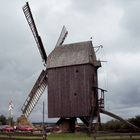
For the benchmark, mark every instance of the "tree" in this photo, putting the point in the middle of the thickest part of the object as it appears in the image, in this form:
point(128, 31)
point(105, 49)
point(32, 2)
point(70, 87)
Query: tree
point(3, 120)
point(112, 125)
point(135, 121)
point(116, 125)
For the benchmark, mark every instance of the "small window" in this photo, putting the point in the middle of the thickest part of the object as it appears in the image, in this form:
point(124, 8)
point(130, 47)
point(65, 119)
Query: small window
point(77, 71)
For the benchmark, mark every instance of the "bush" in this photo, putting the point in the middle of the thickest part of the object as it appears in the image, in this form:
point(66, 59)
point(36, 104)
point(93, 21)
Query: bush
point(3, 120)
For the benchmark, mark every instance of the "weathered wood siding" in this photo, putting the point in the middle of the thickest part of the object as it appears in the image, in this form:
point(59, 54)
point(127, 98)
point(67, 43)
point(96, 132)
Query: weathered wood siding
point(70, 90)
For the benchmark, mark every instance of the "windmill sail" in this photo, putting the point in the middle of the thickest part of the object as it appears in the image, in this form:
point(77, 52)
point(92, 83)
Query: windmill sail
point(35, 94)
point(62, 36)
point(30, 20)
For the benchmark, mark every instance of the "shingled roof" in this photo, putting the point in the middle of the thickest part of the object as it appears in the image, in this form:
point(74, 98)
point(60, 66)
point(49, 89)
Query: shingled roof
point(72, 54)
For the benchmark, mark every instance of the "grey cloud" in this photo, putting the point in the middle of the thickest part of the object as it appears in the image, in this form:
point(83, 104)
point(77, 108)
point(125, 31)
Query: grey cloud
point(124, 81)
point(130, 20)
point(89, 6)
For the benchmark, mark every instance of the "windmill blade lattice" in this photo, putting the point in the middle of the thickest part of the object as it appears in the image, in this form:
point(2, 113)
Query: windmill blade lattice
point(35, 94)
point(62, 36)
point(30, 20)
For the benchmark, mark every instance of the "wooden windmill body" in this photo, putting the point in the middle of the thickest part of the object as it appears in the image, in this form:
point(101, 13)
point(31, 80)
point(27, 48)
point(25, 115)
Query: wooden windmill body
point(72, 80)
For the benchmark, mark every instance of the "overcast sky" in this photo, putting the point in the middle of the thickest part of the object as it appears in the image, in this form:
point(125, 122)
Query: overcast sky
point(111, 23)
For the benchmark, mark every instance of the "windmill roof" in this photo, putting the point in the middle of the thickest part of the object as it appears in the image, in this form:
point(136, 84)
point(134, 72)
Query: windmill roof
point(72, 54)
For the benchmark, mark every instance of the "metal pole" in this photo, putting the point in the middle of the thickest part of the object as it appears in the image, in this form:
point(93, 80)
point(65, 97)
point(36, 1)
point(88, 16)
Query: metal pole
point(43, 129)
point(43, 116)
point(43, 124)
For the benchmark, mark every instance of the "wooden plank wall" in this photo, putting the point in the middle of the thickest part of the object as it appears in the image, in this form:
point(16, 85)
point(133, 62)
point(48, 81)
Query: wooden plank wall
point(69, 91)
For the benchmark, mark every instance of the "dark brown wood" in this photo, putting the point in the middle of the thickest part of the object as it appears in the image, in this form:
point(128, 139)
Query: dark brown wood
point(71, 91)
point(72, 81)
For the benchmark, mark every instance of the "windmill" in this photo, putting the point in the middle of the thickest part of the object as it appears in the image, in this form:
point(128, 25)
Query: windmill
point(71, 76)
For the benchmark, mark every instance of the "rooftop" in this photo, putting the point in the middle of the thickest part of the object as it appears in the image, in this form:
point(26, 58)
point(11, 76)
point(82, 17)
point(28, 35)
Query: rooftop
point(72, 54)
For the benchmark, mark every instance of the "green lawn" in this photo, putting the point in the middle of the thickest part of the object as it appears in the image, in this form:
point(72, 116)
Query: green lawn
point(69, 136)
point(82, 136)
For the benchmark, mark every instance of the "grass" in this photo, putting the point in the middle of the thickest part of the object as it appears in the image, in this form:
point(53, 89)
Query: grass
point(81, 136)
point(70, 136)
